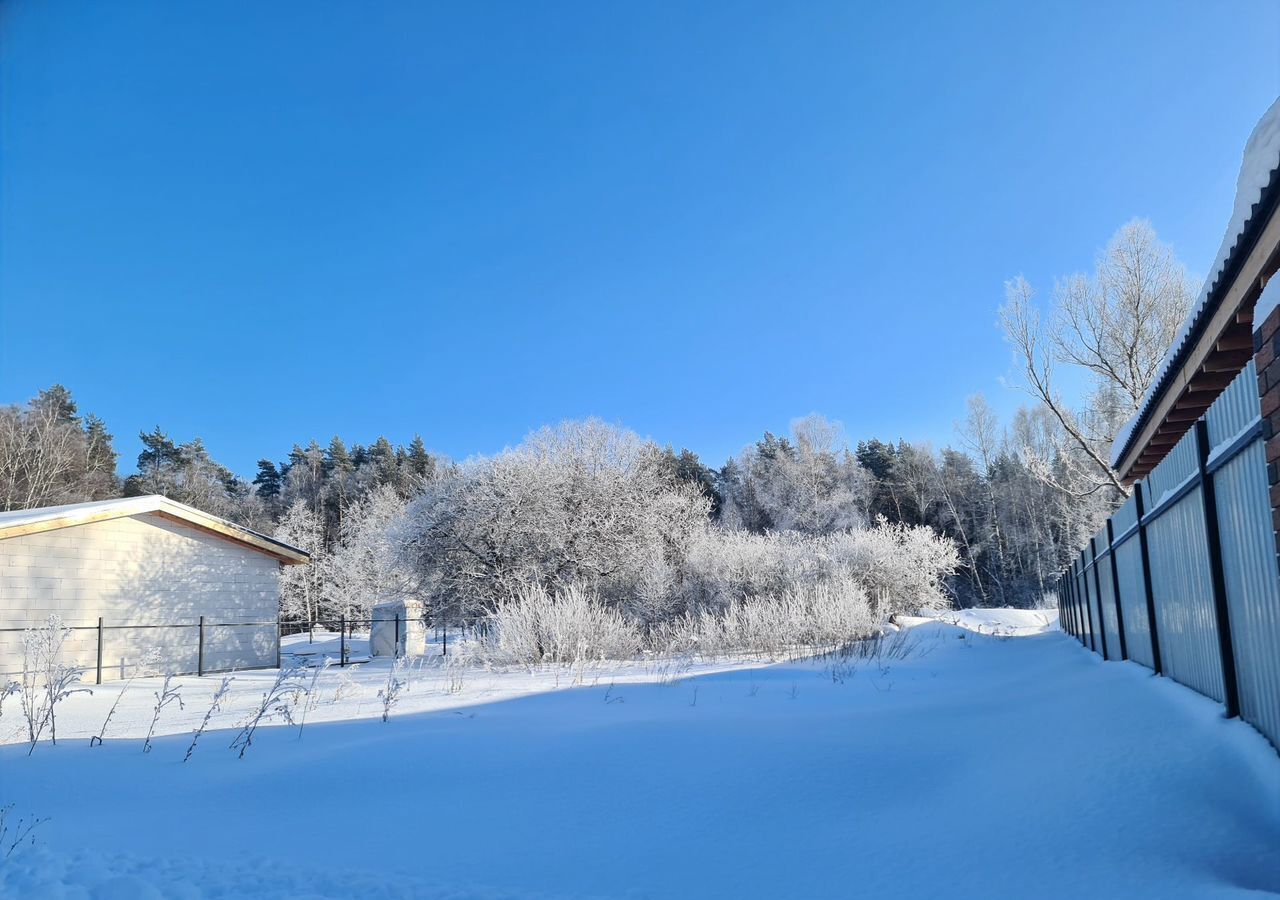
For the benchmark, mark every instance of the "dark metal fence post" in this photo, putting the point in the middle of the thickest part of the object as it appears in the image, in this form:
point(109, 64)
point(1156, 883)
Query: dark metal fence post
point(1082, 613)
point(1115, 589)
point(1065, 603)
point(1088, 606)
point(444, 647)
point(1156, 665)
point(1075, 600)
point(200, 650)
point(1230, 686)
point(99, 649)
point(1071, 612)
point(1071, 601)
point(1097, 592)
point(342, 639)
point(395, 653)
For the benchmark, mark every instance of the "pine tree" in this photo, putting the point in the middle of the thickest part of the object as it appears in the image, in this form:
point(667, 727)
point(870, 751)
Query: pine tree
point(57, 400)
point(267, 481)
point(101, 480)
point(421, 463)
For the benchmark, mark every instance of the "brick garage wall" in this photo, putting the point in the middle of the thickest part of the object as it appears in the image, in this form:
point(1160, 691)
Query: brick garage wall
point(1266, 357)
point(140, 570)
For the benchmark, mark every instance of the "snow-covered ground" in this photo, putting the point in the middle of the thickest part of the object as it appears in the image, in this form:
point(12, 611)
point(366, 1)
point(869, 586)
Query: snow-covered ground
point(997, 759)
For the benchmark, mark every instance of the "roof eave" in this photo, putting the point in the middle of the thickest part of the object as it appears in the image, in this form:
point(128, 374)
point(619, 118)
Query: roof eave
point(1219, 343)
point(170, 509)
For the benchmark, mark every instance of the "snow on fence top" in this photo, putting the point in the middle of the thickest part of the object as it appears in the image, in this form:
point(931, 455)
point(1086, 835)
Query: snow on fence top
point(1261, 159)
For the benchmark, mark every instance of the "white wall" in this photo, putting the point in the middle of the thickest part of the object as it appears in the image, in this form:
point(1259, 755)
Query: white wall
point(140, 570)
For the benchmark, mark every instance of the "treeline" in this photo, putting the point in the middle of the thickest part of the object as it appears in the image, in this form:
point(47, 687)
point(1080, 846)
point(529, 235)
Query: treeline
point(645, 528)
point(1012, 530)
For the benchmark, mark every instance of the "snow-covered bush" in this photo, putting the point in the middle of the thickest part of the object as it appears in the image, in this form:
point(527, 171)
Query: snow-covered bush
point(899, 568)
point(570, 624)
point(823, 614)
point(903, 568)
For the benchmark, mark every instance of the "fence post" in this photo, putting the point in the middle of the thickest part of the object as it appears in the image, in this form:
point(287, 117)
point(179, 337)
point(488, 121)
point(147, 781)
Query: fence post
point(395, 653)
point(1066, 597)
point(1230, 687)
point(444, 647)
point(1068, 579)
point(1115, 589)
point(99, 650)
point(200, 651)
point(1088, 606)
point(1071, 600)
point(279, 638)
point(342, 639)
point(1075, 602)
point(1156, 665)
point(1097, 591)
point(1064, 604)
point(1077, 612)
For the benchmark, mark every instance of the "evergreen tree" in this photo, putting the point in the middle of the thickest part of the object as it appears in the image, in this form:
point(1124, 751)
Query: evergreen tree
point(102, 482)
point(267, 481)
point(421, 463)
point(57, 402)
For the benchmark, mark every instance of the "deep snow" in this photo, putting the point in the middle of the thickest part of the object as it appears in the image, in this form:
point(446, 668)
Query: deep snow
point(1009, 763)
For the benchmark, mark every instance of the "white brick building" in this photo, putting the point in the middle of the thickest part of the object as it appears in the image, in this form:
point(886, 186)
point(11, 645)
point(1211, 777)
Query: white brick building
point(141, 561)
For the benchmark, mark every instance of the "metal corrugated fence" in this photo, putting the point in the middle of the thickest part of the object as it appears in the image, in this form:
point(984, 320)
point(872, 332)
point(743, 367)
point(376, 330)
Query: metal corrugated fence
point(1183, 579)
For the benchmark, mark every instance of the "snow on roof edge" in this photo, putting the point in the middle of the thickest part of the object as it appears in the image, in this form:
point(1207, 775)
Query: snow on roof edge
point(1260, 160)
point(132, 506)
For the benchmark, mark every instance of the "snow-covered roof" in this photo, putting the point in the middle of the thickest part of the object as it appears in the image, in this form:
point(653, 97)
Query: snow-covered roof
point(1257, 171)
point(47, 518)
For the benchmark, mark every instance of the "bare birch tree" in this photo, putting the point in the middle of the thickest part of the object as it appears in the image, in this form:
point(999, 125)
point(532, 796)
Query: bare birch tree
point(1115, 327)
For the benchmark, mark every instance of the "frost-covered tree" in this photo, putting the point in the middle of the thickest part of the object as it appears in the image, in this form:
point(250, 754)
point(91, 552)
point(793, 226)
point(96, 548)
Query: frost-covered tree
point(368, 565)
point(302, 588)
point(188, 474)
point(49, 455)
point(809, 483)
point(1115, 327)
point(584, 502)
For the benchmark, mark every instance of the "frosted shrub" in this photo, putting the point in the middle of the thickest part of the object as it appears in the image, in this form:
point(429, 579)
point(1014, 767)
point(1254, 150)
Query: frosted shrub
point(219, 697)
point(903, 568)
point(279, 699)
point(569, 625)
point(348, 686)
point(900, 568)
point(168, 693)
point(313, 694)
point(150, 663)
point(46, 679)
point(7, 690)
point(825, 614)
point(16, 834)
point(390, 693)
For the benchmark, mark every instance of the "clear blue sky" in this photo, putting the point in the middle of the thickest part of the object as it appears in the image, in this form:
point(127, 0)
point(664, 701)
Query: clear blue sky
point(266, 222)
